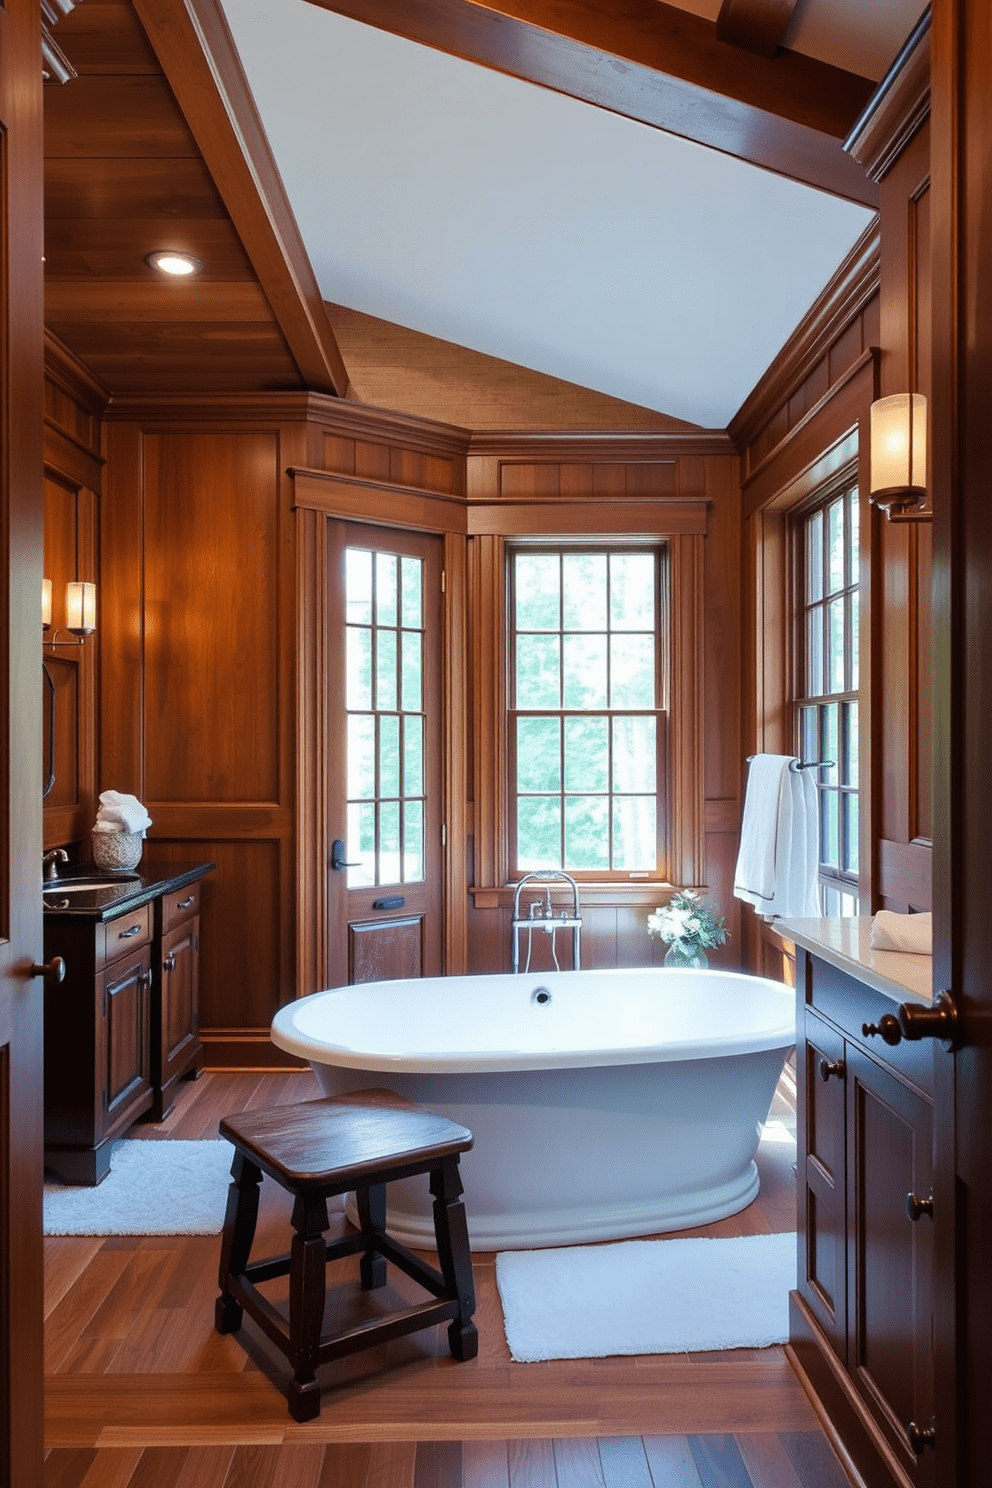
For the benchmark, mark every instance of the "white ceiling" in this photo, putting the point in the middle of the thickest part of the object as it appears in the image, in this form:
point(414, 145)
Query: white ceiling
point(525, 224)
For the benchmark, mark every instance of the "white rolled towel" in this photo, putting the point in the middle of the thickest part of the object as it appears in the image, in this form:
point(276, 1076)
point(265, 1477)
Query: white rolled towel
point(902, 932)
point(119, 812)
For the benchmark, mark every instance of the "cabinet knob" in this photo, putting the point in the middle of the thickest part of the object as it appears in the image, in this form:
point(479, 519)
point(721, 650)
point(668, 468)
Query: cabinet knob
point(828, 1067)
point(915, 1207)
point(886, 1028)
point(169, 962)
point(921, 1436)
point(52, 971)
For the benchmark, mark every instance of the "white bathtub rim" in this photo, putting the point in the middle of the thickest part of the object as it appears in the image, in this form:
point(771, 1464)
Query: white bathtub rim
point(544, 1228)
point(285, 1035)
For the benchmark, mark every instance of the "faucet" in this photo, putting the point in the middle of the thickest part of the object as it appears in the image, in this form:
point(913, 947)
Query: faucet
point(50, 862)
point(542, 916)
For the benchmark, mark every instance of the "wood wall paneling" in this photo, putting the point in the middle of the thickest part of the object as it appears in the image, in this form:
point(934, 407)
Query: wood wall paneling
point(211, 617)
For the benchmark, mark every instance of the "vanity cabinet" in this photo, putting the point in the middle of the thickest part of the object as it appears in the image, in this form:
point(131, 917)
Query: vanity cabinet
point(122, 1029)
point(861, 1315)
point(97, 1061)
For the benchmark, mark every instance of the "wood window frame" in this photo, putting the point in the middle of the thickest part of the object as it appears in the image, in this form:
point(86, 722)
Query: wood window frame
point(838, 485)
point(683, 784)
point(661, 712)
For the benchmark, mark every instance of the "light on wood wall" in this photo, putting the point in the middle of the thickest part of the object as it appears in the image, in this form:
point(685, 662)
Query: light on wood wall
point(899, 456)
point(80, 610)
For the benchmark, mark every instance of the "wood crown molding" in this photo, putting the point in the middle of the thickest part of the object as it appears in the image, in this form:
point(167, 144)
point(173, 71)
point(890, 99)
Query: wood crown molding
point(900, 105)
point(659, 65)
point(848, 292)
point(66, 372)
point(555, 446)
point(336, 415)
point(196, 51)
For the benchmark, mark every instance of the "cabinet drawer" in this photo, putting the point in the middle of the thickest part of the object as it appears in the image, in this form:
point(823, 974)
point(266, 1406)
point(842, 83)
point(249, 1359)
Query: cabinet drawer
point(180, 905)
point(849, 1003)
point(121, 936)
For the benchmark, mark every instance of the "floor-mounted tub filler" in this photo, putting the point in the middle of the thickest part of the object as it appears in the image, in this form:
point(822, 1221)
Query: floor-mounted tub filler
point(605, 1104)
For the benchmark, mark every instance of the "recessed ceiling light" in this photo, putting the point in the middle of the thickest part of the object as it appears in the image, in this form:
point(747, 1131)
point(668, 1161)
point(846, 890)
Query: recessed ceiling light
point(170, 261)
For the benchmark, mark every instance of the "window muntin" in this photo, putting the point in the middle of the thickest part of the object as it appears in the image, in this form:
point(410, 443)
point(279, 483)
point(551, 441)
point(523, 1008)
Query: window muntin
point(586, 721)
point(827, 701)
point(385, 711)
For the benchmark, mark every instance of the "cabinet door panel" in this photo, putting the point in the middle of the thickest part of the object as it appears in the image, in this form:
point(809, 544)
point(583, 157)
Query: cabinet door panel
point(125, 1034)
point(824, 1285)
point(179, 979)
point(890, 1258)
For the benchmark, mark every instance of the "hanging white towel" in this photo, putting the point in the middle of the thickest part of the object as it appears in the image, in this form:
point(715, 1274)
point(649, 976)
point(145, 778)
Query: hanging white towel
point(778, 863)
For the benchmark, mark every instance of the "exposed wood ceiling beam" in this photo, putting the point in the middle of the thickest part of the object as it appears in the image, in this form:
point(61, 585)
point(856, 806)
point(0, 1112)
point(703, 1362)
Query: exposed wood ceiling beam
point(199, 59)
point(657, 64)
point(756, 25)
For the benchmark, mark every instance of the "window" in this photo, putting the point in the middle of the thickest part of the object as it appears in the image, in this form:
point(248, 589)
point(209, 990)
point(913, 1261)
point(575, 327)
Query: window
point(827, 692)
point(385, 713)
point(586, 716)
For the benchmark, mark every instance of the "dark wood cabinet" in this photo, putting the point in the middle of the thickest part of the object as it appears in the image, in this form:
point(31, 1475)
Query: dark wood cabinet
point(176, 1050)
point(97, 1066)
point(123, 1027)
point(861, 1316)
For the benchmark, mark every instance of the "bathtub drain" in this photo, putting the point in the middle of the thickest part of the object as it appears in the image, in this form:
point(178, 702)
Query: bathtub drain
point(540, 996)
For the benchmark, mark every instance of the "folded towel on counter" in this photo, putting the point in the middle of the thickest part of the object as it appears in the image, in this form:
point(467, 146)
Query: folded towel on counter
point(902, 932)
point(779, 860)
point(121, 813)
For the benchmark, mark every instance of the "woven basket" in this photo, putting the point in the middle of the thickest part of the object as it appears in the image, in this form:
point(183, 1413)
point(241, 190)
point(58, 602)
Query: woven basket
point(117, 849)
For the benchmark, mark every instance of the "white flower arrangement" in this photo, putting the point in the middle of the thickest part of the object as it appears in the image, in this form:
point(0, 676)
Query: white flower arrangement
point(686, 925)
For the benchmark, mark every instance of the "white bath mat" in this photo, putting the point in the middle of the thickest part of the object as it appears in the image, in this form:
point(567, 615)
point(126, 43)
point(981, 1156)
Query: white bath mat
point(153, 1188)
point(647, 1297)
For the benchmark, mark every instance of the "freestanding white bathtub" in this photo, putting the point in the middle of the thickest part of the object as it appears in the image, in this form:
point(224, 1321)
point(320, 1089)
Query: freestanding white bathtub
point(604, 1104)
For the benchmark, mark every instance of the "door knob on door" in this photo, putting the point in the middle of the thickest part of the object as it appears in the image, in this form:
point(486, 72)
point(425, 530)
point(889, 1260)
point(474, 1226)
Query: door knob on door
point(338, 858)
point(52, 971)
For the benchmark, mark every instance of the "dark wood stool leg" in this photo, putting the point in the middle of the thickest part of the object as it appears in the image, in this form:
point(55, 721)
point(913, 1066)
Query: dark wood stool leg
point(371, 1202)
point(240, 1219)
point(307, 1289)
point(454, 1255)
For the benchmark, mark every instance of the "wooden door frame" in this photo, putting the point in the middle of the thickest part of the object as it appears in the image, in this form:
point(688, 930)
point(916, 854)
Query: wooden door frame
point(21, 997)
point(961, 464)
point(318, 500)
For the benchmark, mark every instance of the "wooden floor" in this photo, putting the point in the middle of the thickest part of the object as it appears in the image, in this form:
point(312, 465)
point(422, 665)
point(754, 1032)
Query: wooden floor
point(142, 1393)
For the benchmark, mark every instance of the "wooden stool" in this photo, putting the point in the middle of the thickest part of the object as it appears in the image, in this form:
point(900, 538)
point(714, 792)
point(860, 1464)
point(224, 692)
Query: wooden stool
point(323, 1147)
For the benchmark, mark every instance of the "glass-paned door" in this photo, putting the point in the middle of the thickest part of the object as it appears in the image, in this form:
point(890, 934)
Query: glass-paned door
point(385, 815)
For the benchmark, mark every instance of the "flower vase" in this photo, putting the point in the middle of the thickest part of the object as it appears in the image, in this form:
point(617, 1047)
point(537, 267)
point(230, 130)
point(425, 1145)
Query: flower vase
point(693, 956)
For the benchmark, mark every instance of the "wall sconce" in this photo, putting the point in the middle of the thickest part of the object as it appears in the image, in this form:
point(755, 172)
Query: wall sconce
point(80, 611)
point(80, 621)
point(899, 457)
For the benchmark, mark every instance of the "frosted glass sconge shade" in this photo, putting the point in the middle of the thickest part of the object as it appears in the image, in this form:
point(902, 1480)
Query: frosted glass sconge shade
point(46, 604)
point(80, 608)
point(899, 450)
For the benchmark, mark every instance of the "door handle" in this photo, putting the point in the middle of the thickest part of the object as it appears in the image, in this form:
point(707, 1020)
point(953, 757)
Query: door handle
point(53, 970)
point(913, 1021)
point(338, 856)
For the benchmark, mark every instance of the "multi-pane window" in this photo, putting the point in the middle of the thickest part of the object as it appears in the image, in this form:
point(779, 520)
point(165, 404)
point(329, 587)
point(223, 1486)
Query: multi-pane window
point(827, 705)
point(586, 723)
point(385, 704)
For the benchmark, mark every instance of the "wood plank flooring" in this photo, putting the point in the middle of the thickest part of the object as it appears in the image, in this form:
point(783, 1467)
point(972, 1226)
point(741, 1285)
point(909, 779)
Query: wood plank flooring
point(142, 1393)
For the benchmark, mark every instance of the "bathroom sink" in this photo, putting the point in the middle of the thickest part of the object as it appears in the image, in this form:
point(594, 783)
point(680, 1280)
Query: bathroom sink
point(63, 886)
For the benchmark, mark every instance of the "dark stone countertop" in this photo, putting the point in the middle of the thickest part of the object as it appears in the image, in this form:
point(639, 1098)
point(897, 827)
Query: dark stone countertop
point(117, 893)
